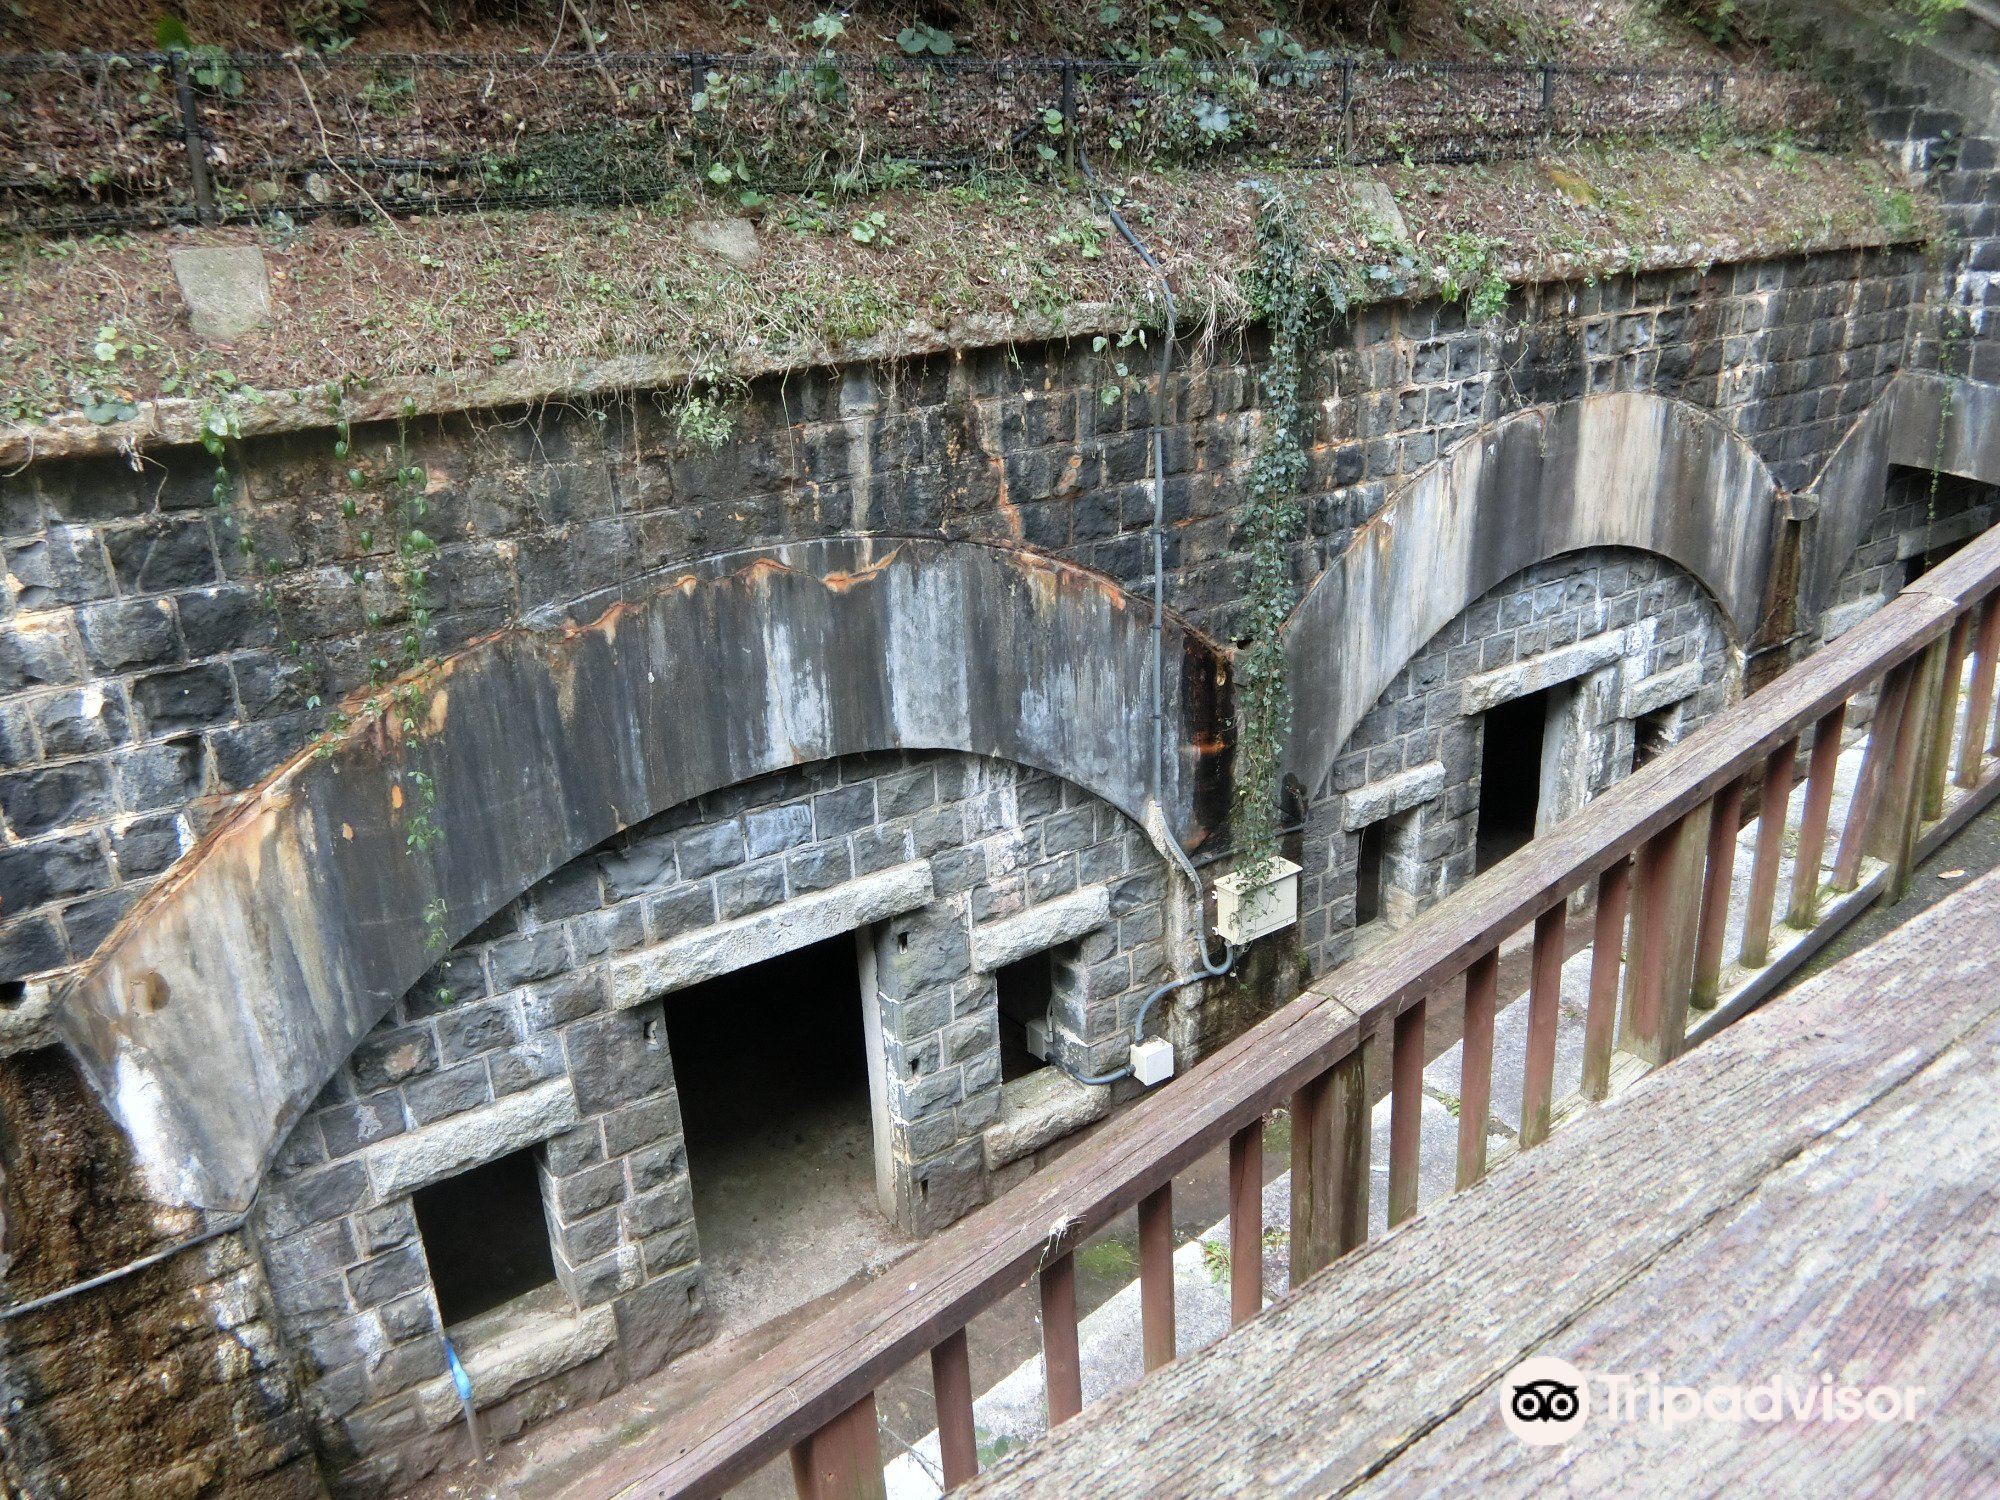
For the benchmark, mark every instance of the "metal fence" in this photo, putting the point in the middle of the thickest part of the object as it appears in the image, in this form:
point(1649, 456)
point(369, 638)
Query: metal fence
point(110, 140)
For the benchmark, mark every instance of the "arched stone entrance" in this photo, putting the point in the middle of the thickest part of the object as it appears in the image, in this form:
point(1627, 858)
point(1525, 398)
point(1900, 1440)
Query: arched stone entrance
point(1626, 470)
point(226, 1000)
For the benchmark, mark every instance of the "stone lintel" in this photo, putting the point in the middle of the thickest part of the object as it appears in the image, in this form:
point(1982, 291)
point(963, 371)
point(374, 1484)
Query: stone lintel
point(1564, 664)
point(1844, 617)
point(1391, 795)
point(1039, 928)
point(648, 973)
point(1650, 694)
point(406, 1162)
point(1043, 1107)
point(543, 1346)
point(1941, 532)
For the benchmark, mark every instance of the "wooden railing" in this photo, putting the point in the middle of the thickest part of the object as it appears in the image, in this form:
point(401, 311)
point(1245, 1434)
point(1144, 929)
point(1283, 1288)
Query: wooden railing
point(1658, 849)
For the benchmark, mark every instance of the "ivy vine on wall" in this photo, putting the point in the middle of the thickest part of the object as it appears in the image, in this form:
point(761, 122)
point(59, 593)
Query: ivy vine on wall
point(1287, 290)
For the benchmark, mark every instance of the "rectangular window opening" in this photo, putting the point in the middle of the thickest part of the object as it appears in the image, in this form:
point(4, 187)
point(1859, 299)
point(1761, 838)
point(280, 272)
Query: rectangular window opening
point(1369, 874)
point(1652, 734)
point(1025, 987)
point(485, 1236)
point(1510, 775)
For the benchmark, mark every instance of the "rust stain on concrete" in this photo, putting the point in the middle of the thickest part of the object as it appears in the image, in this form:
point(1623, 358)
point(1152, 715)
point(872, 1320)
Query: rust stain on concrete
point(841, 581)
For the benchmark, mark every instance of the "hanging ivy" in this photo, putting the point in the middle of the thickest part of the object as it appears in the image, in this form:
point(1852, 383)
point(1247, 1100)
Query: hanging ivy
point(1953, 335)
point(1286, 292)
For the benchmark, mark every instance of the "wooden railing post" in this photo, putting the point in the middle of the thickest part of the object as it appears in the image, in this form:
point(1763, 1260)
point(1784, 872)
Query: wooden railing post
point(1723, 826)
point(1937, 765)
point(1893, 834)
point(1475, 1067)
point(1062, 1369)
point(1821, 770)
point(1774, 807)
point(1330, 1165)
point(843, 1460)
point(1607, 954)
point(1246, 1222)
point(951, 1390)
point(1406, 1098)
point(1666, 900)
point(1544, 1011)
point(1979, 702)
point(1869, 789)
point(1156, 1276)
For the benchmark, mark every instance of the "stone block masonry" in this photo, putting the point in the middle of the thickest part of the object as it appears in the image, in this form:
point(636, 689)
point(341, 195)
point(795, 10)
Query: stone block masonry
point(147, 681)
point(171, 1382)
point(144, 677)
point(1625, 633)
point(544, 1030)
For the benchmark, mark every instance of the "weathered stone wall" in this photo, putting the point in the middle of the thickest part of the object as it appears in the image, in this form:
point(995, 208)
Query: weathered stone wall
point(544, 1029)
point(1935, 104)
point(146, 678)
point(1625, 632)
point(164, 1385)
point(1923, 516)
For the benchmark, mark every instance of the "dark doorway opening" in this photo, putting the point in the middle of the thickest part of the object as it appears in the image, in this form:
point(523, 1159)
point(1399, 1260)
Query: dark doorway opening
point(1510, 775)
point(1944, 498)
point(1914, 567)
point(1025, 986)
point(485, 1236)
point(1368, 874)
point(770, 1064)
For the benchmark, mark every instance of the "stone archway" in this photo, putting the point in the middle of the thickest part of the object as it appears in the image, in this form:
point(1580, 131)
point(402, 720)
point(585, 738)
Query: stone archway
point(1521, 710)
point(1921, 422)
point(1625, 470)
point(224, 1002)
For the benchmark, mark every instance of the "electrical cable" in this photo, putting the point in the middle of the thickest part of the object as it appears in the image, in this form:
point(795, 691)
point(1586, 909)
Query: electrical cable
point(1209, 968)
point(90, 1283)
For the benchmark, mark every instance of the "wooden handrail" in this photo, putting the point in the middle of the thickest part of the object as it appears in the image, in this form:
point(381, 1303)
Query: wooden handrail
point(812, 1392)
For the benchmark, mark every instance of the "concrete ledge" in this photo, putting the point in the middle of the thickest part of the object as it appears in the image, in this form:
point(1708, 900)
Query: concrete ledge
point(799, 923)
point(1650, 694)
point(1043, 1107)
point(404, 1163)
point(1564, 664)
point(1743, 990)
point(1844, 617)
point(1943, 532)
point(1039, 928)
point(1391, 795)
point(542, 1346)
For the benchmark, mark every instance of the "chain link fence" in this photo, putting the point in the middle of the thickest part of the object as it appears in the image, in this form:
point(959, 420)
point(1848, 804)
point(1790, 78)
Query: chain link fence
point(98, 141)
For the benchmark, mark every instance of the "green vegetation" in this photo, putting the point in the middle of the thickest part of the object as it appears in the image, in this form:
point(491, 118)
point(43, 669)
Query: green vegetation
point(1215, 1261)
point(1741, 23)
point(1285, 295)
point(1108, 1260)
point(95, 327)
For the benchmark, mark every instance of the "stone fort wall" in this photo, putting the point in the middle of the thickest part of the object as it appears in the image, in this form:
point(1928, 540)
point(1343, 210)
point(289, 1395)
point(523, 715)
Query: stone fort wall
point(148, 678)
point(159, 655)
